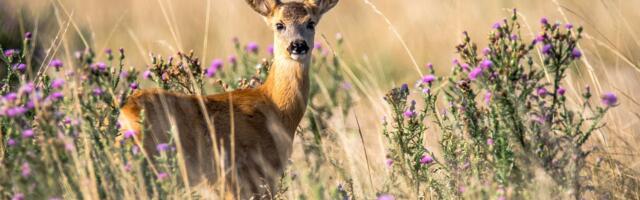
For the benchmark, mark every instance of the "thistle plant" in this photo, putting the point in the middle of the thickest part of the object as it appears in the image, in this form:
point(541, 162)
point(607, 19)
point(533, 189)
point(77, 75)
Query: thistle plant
point(506, 115)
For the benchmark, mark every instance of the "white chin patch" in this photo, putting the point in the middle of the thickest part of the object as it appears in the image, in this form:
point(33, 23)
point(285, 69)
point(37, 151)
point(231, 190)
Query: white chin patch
point(298, 56)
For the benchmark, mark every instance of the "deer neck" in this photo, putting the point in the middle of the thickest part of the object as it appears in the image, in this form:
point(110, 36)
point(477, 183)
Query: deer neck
point(287, 86)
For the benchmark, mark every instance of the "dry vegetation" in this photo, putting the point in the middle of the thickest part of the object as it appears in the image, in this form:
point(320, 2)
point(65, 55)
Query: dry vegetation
point(386, 43)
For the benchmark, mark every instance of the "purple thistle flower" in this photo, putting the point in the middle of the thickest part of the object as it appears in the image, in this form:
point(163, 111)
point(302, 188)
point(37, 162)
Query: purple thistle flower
point(124, 74)
point(561, 91)
point(609, 99)
point(429, 66)
point(575, 53)
point(496, 25)
point(475, 73)
point(455, 62)
point(490, 142)
point(15, 112)
point(487, 98)
point(465, 67)
point(57, 83)
point(146, 74)
point(514, 37)
point(386, 197)
point(133, 86)
point(56, 96)
point(11, 96)
point(27, 88)
point(428, 79)
point(9, 53)
point(346, 86)
point(486, 64)
point(502, 198)
point(25, 169)
point(233, 60)
point(162, 147)
point(99, 67)
point(18, 196)
point(540, 38)
point(162, 176)
point(426, 91)
point(568, 26)
point(129, 134)
point(486, 51)
point(405, 87)
point(28, 35)
point(28, 133)
point(409, 114)
point(108, 51)
point(542, 92)
point(252, 47)
point(210, 72)
point(270, 49)
point(128, 167)
point(426, 159)
point(217, 63)
point(11, 142)
point(20, 68)
point(56, 63)
point(317, 46)
point(389, 162)
point(546, 49)
point(98, 91)
point(544, 21)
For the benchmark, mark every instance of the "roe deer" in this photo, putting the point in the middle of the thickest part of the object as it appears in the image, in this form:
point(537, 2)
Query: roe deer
point(253, 128)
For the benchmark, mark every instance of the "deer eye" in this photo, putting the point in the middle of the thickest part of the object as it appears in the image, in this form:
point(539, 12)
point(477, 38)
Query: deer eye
point(311, 25)
point(280, 26)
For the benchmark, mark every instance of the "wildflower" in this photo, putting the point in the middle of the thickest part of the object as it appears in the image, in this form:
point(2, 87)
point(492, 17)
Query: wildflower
point(429, 66)
point(465, 67)
point(486, 64)
point(210, 72)
point(11, 96)
point(389, 162)
point(455, 62)
point(270, 49)
point(540, 38)
point(428, 79)
point(69, 146)
point(56, 96)
point(163, 147)
point(568, 26)
point(18, 196)
point(28, 35)
point(346, 85)
point(609, 99)
point(235, 40)
point(317, 46)
point(514, 37)
point(386, 197)
point(252, 47)
point(575, 53)
point(426, 91)
point(20, 67)
point(542, 92)
point(426, 159)
point(57, 83)
point(496, 25)
point(9, 53)
point(409, 114)
point(127, 167)
point(544, 21)
point(490, 142)
point(487, 98)
point(405, 87)
point(546, 49)
point(26, 169)
point(11, 142)
point(162, 176)
point(502, 198)
point(27, 133)
point(27, 88)
point(146, 74)
point(98, 92)
point(15, 112)
point(486, 51)
point(108, 51)
point(233, 60)
point(475, 73)
point(124, 74)
point(129, 134)
point(133, 86)
point(561, 91)
point(56, 63)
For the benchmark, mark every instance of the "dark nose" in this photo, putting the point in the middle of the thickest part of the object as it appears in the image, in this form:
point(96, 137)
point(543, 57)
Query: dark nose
point(298, 47)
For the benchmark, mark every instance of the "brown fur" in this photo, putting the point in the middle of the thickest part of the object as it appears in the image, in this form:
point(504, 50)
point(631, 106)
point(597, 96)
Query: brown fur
point(254, 127)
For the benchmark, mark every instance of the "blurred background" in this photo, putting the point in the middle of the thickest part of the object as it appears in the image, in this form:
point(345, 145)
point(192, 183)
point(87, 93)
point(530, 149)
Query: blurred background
point(375, 34)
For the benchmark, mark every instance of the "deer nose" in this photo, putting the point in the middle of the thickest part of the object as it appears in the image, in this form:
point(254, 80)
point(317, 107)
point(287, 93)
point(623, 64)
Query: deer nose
point(298, 47)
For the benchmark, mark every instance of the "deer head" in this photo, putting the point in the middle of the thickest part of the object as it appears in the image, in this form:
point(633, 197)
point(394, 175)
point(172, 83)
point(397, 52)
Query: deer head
point(293, 23)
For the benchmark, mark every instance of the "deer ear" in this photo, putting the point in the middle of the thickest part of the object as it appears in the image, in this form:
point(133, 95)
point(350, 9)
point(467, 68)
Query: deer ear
point(322, 6)
point(264, 7)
